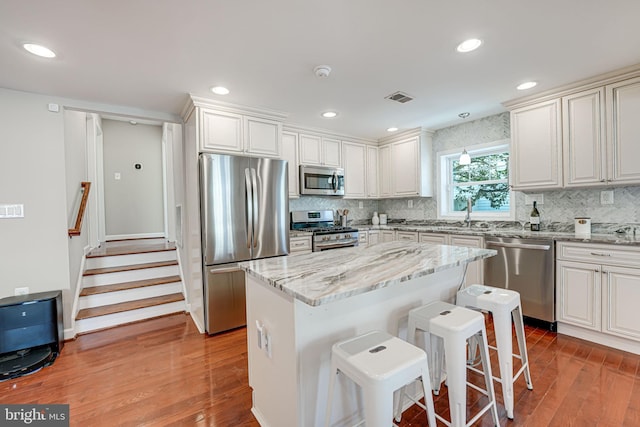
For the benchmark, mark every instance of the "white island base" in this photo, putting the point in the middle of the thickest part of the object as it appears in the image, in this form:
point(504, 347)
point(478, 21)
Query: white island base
point(290, 376)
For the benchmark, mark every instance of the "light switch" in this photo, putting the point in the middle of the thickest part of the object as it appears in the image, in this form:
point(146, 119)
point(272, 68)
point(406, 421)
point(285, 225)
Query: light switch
point(116, 176)
point(361, 204)
point(410, 204)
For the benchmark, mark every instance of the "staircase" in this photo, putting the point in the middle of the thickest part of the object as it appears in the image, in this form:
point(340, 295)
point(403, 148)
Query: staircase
point(128, 281)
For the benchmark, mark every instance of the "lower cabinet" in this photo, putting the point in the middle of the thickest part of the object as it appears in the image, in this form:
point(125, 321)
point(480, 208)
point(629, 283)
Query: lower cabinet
point(373, 237)
point(475, 272)
point(387, 235)
point(598, 288)
point(363, 238)
point(300, 245)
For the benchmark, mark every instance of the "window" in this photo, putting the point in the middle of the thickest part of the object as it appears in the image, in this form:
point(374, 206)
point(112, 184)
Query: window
point(485, 181)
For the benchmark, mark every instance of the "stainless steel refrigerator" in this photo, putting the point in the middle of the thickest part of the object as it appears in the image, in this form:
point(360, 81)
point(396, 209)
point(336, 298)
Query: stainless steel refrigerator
point(244, 207)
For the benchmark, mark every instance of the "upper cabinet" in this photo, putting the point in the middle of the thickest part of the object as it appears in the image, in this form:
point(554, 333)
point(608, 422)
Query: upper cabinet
point(405, 168)
point(318, 150)
point(290, 154)
point(623, 124)
point(536, 146)
point(372, 172)
point(225, 129)
point(583, 136)
point(354, 156)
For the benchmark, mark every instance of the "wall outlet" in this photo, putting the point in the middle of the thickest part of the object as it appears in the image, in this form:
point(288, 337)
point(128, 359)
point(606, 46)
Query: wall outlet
point(530, 198)
point(606, 197)
point(361, 205)
point(21, 291)
point(410, 204)
point(116, 176)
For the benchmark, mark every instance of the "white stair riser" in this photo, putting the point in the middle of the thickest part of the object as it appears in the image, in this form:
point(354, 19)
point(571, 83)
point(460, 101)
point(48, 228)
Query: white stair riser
point(110, 320)
point(129, 276)
point(116, 297)
point(120, 260)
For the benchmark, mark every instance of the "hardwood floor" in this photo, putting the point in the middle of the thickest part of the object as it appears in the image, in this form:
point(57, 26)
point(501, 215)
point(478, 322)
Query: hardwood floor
point(162, 372)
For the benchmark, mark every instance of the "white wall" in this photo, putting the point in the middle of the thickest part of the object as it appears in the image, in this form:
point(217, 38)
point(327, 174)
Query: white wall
point(34, 249)
point(134, 203)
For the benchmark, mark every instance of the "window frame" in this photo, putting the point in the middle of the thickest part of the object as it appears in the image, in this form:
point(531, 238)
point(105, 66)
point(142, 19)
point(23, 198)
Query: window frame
point(445, 186)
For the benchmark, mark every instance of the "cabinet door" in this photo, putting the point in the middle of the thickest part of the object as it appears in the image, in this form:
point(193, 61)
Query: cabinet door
point(438, 239)
point(262, 136)
point(355, 160)
point(583, 138)
point(373, 237)
point(405, 167)
point(372, 172)
point(220, 131)
point(578, 296)
point(623, 111)
point(536, 149)
point(290, 154)
point(362, 238)
point(388, 235)
point(407, 236)
point(475, 271)
point(299, 245)
point(384, 158)
point(310, 149)
point(620, 297)
point(331, 152)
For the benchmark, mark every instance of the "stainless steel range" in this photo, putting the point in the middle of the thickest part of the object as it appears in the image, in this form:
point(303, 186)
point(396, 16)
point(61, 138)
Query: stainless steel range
point(326, 235)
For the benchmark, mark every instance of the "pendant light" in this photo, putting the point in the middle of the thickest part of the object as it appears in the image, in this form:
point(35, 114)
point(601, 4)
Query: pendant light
point(465, 158)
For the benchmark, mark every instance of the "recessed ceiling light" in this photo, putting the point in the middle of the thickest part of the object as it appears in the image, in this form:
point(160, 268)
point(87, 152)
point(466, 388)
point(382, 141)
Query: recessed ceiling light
point(329, 114)
point(220, 90)
point(133, 122)
point(392, 129)
point(39, 50)
point(469, 45)
point(526, 85)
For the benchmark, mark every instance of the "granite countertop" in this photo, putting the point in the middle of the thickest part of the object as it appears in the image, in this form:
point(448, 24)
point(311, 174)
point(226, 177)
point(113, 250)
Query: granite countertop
point(322, 277)
point(609, 238)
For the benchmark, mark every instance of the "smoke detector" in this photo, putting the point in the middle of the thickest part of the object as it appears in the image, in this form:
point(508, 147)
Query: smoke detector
point(322, 71)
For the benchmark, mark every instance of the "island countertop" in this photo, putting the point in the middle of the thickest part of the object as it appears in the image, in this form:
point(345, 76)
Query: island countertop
point(322, 277)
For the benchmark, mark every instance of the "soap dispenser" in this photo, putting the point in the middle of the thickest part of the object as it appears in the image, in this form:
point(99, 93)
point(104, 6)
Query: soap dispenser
point(375, 220)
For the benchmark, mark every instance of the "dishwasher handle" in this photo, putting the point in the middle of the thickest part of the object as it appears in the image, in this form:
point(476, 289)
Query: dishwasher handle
point(519, 246)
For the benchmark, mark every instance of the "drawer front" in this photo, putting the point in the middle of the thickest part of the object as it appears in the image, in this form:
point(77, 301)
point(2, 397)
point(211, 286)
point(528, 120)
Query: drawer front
point(362, 237)
point(300, 244)
point(407, 236)
point(439, 239)
point(599, 254)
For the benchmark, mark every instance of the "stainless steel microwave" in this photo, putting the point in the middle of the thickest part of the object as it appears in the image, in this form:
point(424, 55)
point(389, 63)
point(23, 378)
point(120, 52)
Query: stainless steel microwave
point(321, 180)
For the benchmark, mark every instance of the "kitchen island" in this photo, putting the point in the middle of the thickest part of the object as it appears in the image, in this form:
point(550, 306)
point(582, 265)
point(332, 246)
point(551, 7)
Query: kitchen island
point(298, 306)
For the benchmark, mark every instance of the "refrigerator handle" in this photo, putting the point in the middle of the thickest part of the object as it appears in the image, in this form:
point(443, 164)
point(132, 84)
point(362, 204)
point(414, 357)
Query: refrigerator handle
point(254, 186)
point(249, 205)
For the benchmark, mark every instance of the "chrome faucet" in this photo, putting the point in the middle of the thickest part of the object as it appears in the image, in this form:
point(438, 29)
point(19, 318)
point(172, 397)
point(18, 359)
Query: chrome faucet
point(467, 218)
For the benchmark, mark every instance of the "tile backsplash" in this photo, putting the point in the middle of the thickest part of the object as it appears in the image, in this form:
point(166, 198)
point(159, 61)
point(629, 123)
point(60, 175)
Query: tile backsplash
point(560, 206)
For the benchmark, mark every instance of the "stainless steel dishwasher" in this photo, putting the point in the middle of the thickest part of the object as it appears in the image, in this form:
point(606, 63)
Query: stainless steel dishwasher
point(527, 266)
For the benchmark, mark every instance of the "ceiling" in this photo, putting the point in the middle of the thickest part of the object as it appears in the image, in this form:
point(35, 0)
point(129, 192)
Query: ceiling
point(150, 54)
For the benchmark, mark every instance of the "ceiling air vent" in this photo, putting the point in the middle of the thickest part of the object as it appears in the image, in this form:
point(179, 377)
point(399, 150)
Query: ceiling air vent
point(400, 97)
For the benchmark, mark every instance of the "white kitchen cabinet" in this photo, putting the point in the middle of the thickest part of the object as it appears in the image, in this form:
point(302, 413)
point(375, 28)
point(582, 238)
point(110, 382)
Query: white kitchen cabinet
point(300, 245)
point(355, 170)
point(223, 131)
point(372, 172)
point(318, 150)
point(623, 125)
point(584, 139)
point(373, 237)
point(363, 238)
point(290, 154)
point(387, 235)
point(475, 271)
point(598, 289)
point(536, 146)
point(405, 170)
point(384, 174)
point(407, 236)
point(438, 239)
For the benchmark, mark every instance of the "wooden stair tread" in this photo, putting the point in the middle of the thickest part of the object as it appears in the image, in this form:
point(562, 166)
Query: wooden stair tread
point(126, 306)
point(132, 267)
point(94, 290)
point(131, 249)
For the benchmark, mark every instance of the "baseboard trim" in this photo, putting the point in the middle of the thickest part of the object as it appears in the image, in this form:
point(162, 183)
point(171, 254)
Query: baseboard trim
point(135, 236)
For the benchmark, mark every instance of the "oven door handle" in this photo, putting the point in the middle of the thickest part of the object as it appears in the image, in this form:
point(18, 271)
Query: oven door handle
point(337, 244)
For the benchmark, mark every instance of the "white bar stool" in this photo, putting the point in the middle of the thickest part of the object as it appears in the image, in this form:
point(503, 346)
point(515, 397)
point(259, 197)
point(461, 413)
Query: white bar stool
point(380, 364)
point(450, 327)
point(504, 305)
